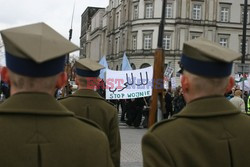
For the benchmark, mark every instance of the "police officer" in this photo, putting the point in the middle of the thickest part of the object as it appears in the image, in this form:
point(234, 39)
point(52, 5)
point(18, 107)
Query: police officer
point(87, 103)
point(209, 130)
point(36, 130)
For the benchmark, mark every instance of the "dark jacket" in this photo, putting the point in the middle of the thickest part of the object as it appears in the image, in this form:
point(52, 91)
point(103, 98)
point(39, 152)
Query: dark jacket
point(178, 104)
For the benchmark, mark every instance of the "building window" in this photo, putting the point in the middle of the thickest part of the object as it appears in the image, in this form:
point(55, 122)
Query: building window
point(144, 65)
point(133, 66)
point(124, 42)
point(242, 14)
point(116, 45)
point(134, 42)
point(167, 41)
point(194, 35)
point(169, 10)
point(224, 14)
point(125, 14)
point(149, 10)
point(117, 20)
point(147, 41)
point(136, 12)
point(224, 41)
point(197, 11)
point(110, 46)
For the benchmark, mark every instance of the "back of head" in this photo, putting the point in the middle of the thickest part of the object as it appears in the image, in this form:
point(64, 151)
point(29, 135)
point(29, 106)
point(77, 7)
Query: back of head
point(35, 51)
point(237, 93)
point(208, 59)
point(208, 66)
point(88, 70)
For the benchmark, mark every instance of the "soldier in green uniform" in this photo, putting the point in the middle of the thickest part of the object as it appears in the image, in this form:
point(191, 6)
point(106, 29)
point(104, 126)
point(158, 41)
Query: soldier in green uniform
point(209, 131)
point(87, 103)
point(36, 130)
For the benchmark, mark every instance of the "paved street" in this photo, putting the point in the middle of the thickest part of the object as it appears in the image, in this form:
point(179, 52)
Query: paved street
point(131, 146)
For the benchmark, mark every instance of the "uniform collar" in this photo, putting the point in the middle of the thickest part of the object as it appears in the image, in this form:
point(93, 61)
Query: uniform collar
point(87, 93)
point(33, 103)
point(208, 107)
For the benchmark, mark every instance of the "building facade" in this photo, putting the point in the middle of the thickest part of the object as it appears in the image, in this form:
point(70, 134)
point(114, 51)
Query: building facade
point(85, 25)
point(132, 26)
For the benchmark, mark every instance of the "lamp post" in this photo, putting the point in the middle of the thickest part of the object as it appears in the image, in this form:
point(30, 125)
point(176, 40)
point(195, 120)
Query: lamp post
point(244, 33)
point(67, 62)
point(243, 49)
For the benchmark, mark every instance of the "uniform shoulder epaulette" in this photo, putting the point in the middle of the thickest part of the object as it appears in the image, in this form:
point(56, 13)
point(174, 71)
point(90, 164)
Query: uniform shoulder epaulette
point(88, 121)
point(162, 122)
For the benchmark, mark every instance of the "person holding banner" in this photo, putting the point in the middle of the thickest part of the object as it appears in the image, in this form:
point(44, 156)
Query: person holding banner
point(87, 103)
point(209, 130)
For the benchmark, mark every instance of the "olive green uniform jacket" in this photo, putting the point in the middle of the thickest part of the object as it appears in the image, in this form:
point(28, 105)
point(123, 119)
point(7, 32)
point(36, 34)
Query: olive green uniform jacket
point(89, 104)
point(37, 131)
point(208, 132)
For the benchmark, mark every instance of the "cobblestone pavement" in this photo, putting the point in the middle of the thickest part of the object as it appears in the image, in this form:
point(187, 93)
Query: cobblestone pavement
point(131, 155)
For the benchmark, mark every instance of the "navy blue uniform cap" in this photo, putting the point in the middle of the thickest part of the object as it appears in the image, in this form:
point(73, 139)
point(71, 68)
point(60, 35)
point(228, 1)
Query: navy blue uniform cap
point(88, 68)
point(35, 50)
point(205, 58)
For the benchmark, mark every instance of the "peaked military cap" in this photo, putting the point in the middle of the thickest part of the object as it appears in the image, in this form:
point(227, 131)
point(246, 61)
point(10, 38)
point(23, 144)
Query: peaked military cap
point(205, 58)
point(88, 68)
point(35, 50)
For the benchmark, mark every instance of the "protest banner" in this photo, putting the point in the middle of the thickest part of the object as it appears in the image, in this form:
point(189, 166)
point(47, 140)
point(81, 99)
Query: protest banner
point(168, 73)
point(129, 84)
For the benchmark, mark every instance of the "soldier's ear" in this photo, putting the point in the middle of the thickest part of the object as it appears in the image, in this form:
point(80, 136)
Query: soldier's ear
point(61, 80)
point(185, 83)
point(230, 84)
point(5, 75)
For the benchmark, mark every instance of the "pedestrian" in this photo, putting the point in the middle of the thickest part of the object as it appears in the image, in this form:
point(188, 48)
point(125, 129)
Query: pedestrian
point(209, 131)
point(178, 101)
point(135, 108)
point(87, 103)
point(36, 130)
point(123, 108)
point(238, 101)
point(248, 105)
point(168, 104)
point(5, 88)
point(245, 97)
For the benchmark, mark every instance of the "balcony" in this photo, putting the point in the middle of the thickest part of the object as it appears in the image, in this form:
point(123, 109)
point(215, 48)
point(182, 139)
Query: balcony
point(144, 53)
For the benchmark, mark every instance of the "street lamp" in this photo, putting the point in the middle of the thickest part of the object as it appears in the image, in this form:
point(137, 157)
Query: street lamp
point(244, 32)
point(243, 49)
point(67, 62)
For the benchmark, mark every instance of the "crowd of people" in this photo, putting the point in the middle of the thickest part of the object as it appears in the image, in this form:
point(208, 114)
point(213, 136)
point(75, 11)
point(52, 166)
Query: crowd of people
point(203, 126)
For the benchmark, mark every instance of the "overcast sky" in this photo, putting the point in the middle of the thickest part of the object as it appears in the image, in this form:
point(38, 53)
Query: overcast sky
point(56, 13)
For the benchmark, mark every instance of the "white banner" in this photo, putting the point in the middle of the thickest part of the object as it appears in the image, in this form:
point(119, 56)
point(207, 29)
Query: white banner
point(129, 84)
point(168, 72)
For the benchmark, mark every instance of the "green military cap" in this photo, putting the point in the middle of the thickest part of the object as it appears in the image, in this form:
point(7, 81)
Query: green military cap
point(205, 58)
point(35, 50)
point(88, 68)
